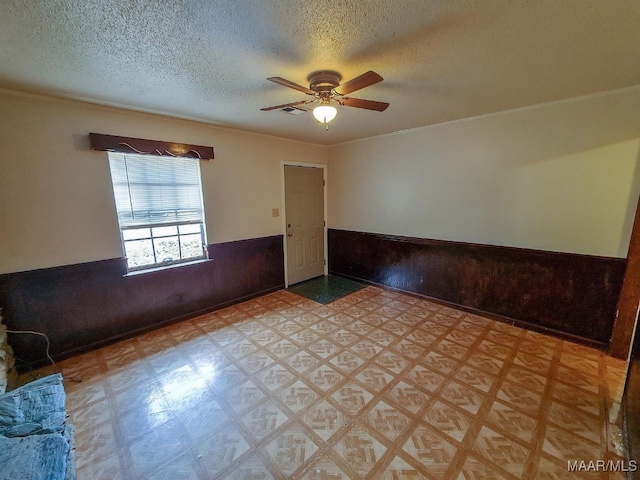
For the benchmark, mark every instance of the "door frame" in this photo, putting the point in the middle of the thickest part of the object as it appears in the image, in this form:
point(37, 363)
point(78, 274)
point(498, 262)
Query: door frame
point(283, 217)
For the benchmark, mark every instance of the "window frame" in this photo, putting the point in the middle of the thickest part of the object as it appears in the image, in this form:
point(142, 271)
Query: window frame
point(201, 223)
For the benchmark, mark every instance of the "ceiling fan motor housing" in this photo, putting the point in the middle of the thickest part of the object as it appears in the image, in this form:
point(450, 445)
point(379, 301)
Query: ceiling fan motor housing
point(324, 81)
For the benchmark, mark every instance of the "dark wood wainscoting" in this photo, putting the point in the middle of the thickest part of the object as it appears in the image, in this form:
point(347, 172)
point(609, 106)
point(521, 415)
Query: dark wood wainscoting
point(571, 295)
point(84, 306)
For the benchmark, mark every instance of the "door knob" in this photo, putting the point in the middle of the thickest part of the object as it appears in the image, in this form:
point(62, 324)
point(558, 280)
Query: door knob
point(289, 234)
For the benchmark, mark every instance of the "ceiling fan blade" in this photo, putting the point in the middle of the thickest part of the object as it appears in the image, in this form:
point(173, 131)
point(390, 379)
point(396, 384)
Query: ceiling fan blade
point(368, 104)
point(292, 104)
point(364, 80)
point(287, 83)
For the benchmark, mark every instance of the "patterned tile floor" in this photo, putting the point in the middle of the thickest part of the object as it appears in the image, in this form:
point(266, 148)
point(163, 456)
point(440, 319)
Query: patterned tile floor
point(375, 385)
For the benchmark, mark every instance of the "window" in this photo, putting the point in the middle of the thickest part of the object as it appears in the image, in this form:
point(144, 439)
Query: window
point(159, 205)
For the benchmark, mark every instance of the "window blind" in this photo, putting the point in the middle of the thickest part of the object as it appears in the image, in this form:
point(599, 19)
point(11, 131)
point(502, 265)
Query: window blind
point(152, 190)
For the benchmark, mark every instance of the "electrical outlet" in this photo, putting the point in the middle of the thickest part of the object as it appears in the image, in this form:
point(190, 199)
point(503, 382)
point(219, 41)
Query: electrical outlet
point(275, 212)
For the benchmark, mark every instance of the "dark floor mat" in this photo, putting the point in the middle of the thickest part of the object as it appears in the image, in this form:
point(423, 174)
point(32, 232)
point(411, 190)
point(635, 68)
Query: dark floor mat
point(326, 289)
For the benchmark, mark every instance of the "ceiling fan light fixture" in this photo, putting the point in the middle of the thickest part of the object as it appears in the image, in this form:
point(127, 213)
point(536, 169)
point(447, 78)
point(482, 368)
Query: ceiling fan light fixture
point(325, 113)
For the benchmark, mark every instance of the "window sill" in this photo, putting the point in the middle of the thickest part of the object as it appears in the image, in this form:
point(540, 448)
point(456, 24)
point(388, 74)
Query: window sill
point(135, 273)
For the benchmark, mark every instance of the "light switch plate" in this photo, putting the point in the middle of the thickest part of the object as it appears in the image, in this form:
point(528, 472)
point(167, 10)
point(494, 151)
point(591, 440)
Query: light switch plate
point(275, 212)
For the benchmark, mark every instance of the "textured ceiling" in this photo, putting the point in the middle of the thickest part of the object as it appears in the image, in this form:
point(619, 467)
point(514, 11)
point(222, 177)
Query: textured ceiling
point(208, 60)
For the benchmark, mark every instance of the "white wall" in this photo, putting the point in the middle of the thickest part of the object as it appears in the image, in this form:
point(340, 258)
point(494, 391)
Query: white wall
point(56, 202)
point(558, 177)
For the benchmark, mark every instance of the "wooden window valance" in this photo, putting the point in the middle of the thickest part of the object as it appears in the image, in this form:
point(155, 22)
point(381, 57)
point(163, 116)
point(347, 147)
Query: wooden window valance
point(113, 143)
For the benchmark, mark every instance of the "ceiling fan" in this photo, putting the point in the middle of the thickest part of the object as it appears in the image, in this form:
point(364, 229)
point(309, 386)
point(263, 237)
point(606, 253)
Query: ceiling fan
point(325, 87)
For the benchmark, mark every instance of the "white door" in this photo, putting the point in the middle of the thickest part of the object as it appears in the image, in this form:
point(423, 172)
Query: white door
point(304, 206)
